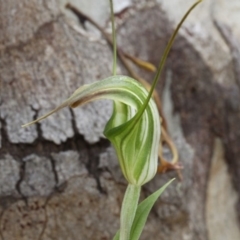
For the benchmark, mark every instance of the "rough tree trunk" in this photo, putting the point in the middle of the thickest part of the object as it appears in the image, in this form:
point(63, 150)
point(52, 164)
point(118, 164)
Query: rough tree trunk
point(59, 179)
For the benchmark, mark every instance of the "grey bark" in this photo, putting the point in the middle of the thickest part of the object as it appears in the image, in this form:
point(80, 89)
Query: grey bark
point(60, 179)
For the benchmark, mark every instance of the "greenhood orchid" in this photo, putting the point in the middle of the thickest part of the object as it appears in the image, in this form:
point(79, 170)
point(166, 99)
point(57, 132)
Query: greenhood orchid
point(134, 138)
point(134, 130)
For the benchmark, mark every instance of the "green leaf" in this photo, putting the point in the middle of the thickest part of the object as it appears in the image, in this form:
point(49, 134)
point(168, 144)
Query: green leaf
point(143, 211)
point(117, 236)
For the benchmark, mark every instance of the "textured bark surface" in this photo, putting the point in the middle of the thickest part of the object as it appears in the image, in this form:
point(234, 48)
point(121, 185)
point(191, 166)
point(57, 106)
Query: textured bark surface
point(59, 179)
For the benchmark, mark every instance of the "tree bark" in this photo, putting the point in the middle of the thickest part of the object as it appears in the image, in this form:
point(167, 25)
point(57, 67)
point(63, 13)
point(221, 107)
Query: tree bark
point(59, 179)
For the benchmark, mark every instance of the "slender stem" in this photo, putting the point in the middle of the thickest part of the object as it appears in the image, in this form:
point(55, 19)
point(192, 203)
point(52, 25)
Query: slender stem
point(128, 211)
point(113, 39)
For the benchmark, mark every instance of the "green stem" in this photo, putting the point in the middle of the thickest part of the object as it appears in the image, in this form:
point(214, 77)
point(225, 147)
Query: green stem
point(128, 211)
point(113, 39)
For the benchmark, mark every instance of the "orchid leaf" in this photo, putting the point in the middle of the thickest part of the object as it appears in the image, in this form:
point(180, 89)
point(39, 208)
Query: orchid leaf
point(143, 211)
point(117, 235)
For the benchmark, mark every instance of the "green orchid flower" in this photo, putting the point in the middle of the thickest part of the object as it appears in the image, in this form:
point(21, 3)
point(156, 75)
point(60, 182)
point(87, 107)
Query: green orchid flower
point(134, 137)
point(134, 130)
